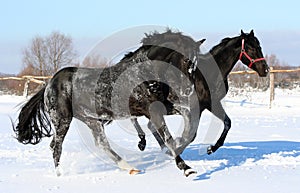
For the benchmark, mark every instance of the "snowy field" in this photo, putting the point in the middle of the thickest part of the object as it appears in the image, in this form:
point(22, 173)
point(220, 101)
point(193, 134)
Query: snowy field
point(261, 154)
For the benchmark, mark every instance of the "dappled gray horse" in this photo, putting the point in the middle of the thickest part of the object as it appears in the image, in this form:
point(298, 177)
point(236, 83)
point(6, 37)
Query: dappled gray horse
point(99, 96)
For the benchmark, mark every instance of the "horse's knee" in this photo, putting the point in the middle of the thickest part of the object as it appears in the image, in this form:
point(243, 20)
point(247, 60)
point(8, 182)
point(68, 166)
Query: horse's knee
point(193, 138)
point(227, 123)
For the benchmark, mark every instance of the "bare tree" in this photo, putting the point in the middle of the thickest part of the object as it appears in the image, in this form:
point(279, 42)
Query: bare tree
point(95, 61)
point(59, 51)
point(272, 60)
point(49, 54)
point(35, 55)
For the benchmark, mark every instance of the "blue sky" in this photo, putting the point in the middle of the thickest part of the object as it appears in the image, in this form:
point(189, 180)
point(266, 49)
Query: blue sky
point(91, 20)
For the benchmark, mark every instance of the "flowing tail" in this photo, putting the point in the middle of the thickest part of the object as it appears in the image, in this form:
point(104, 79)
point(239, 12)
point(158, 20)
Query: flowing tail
point(33, 121)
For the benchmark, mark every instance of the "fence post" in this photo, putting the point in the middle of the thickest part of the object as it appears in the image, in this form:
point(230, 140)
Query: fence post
point(26, 85)
point(272, 87)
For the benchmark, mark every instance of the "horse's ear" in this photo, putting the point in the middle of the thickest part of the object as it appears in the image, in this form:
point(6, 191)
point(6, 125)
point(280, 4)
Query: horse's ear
point(252, 33)
point(200, 42)
point(242, 32)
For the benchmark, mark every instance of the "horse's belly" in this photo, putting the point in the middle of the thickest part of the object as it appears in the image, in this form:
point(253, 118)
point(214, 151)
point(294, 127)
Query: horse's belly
point(92, 98)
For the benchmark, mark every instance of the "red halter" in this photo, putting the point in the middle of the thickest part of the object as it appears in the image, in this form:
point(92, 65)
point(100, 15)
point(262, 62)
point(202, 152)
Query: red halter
point(243, 52)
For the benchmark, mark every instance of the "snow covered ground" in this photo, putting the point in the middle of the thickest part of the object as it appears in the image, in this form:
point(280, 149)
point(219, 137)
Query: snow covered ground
point(261, 154)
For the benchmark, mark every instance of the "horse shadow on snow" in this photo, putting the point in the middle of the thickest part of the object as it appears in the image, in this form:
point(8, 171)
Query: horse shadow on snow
point(236, 154)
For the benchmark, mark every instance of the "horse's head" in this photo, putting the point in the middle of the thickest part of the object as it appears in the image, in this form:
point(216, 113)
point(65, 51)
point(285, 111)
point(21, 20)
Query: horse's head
point(251, 54)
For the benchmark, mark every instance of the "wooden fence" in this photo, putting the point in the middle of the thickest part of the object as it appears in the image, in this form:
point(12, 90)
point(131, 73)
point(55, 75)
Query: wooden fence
point(28, 79)
point(272, 79)
point(41, 80)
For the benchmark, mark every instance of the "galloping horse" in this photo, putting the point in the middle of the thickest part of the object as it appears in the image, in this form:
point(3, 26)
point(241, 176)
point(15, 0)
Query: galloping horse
point(211, 84)
point(93, 104)
point(96, 96)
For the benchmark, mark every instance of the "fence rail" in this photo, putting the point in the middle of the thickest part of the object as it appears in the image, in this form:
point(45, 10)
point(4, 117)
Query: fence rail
point(271, 71)
point(34, 79)
point(27, 79)
point(41, 80)
point(272, 79)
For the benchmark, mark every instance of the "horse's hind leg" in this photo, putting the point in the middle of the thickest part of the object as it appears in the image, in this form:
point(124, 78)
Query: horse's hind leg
point(141, 134)
point(62, 127)
point(60, 112)
point(101, 139)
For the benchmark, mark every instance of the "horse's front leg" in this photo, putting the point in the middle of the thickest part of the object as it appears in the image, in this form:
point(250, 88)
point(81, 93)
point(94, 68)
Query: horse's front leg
point(219, 112)
point(186, 114)
point(187, 170)
point(167, 140)
point(157, 111)
point(157, 136)
point(190, 129)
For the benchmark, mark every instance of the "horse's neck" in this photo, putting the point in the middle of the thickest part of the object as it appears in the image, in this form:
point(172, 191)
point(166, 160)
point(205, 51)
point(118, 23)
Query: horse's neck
point(227, 56)
point(164, 54)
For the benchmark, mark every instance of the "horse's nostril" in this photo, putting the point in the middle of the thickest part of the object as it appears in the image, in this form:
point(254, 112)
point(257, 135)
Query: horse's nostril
point(267, 69)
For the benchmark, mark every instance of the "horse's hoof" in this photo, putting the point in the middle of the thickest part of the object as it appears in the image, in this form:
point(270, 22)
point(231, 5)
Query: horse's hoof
point(209, 150)
point(188, 172)
point(142, 146)
point(134, 171)
point(58, 171)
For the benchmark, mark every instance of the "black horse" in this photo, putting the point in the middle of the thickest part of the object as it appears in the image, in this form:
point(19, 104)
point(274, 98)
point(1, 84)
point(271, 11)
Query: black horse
point(98, 96)
point(211, 84)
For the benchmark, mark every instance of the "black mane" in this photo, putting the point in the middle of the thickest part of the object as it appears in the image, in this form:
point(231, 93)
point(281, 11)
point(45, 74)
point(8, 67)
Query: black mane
point(130, 55)
point(168, 36)
point(169, 39)
point(223, 43)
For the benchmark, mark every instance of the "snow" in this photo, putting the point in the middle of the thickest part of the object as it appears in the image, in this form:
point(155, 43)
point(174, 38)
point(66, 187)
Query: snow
point(261, 153)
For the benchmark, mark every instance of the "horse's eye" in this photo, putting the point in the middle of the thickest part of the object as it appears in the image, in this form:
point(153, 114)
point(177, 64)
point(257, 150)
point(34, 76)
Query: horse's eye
point(186, 60)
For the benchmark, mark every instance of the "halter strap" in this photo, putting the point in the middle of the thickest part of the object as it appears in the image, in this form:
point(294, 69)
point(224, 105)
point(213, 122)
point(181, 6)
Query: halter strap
point(243, 52)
